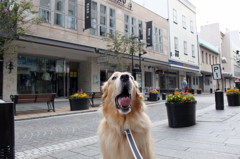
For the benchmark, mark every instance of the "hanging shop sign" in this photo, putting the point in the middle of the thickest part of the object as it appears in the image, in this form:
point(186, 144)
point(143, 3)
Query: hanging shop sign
point(149, 33)
point(88, 14)
point(119, 2)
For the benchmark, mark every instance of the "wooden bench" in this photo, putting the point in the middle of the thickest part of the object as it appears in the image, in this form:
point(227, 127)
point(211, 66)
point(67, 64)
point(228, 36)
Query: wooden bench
point(33, 98)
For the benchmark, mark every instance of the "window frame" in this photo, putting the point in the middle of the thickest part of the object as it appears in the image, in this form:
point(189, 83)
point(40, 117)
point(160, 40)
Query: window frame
point(75, 17)
point(193, 51)
point(184, 22)
point(175, 16)
point(185, 47)
point(62, 13)
point(45, 9)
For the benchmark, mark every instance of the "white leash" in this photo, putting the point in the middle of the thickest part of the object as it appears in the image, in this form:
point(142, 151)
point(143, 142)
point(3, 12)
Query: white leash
point(133, 145)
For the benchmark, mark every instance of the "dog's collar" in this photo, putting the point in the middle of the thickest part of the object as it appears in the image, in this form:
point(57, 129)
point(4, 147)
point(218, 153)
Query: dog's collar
point(132, 144)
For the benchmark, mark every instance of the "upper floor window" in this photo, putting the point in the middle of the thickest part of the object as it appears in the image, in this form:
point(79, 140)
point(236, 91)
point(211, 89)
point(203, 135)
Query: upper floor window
point(94, 18)
point(216, 60)
point(210, 61)
point(72, 14)
point(140, 29)
point(103, 20)
point(126, 25)
point(202, 57)
point(175, 16)
point(134, 27)
point(206, 58)
point(184, 22)
point(176, 46)
point(59, 13)
point(45, 10)
point(157, 40)
point(112, 20)
point(191, 26)
point(185, 47)
point(193, 51)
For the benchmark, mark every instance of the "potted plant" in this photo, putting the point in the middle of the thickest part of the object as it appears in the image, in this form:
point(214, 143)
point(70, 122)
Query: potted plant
point(199, 91)
point(233, 97)
point(181, 109)
point(79, 101)
point(153, 95)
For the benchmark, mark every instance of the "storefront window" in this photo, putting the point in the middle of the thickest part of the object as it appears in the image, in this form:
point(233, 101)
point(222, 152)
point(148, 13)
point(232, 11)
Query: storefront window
point(38, 74)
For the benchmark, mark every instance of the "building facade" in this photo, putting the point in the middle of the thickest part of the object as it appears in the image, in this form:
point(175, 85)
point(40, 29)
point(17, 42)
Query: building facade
point(209, 55)
point(67, 53)
point(183, 54)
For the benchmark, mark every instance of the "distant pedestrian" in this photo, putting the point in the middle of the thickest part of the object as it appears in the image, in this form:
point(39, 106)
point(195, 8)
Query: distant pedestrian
point(184, 85)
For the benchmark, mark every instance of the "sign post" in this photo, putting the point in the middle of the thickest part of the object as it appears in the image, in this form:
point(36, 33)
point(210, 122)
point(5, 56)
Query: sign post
point(217, 75)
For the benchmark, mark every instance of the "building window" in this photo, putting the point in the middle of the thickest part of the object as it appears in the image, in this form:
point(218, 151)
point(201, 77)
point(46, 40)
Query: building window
point(103, 20)
point(45, 10)
point(193, 80)
point(140, 29)
point(94, 18)
point(72, 14)
point(184, 22)
point(126, 25)
point(134, 27)
point(191, 26)
point(196, 80)
point(210, 61)
point(185, 47)
point(112, 21)
point(207, 81)
point(176, 47)
point(174, 16)
point(202, 56)
point(206, 58)
point(160, 36)
point(59, 13)
point(216, 60)
point(193, 51)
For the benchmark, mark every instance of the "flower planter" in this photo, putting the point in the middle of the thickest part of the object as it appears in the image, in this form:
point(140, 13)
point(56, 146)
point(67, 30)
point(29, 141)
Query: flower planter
point(79, 104)
point(181, 114)
point(233, 99)
point(153, 97)
point(199, 91)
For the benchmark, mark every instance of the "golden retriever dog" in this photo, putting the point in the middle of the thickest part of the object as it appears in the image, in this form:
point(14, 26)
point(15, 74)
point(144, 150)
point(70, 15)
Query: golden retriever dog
point(123, 108)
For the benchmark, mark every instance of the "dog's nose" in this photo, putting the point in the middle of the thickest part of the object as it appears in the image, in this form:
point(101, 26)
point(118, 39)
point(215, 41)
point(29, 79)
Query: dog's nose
point(124, 78)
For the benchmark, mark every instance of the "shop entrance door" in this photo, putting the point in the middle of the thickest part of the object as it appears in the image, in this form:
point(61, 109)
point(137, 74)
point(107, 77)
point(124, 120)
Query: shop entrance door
point(60, 82)
point(73, 77)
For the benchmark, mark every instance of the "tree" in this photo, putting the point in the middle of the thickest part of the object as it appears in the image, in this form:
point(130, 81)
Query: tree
point(120, 45)
point(15, 19)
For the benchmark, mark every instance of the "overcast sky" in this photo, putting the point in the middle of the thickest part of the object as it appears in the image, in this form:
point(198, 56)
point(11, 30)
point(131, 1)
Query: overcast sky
point(225, 12)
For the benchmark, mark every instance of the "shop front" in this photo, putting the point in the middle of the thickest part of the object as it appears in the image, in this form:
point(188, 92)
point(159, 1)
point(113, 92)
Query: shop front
point(168, 80)
point(44, 74)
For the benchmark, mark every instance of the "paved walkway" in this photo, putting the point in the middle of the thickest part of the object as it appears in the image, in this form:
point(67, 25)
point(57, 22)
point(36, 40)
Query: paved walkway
point(216, 135)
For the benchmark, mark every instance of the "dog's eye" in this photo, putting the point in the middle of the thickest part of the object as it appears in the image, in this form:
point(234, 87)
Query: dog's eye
point(114, 78)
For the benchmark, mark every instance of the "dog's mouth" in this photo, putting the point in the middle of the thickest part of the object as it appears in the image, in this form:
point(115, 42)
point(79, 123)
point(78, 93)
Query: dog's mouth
point(123, 100)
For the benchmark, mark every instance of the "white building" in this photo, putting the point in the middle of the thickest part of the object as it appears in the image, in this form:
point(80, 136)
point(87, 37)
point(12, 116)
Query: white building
point(227, 44)
point(183, 40)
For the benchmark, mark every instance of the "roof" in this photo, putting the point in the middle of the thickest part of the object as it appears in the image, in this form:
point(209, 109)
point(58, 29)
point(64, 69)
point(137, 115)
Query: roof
point(209, 46)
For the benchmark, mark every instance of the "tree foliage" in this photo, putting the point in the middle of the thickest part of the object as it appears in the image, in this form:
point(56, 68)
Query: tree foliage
point(15, 19)
point(121, 45)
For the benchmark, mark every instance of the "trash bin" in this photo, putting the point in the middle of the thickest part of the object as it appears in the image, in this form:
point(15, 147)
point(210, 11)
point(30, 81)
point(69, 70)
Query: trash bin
point(219, 100)
point(163, 96)
point(7, 139)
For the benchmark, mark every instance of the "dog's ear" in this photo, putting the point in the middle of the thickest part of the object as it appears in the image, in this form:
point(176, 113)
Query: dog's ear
point(105, 90)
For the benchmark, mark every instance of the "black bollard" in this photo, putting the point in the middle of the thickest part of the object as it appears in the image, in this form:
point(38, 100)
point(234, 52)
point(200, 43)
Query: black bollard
point(210, 90)
point(163, 96)
point(7, 142)
point(219, 100)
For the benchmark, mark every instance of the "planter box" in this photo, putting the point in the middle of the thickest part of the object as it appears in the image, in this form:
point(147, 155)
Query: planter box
point(199, 91)
point(181, 114)
point(153, 97)
point(79, 104)
point(233, 99)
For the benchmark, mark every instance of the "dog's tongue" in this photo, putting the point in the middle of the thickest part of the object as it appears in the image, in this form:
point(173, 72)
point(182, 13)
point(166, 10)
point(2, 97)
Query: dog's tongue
point(125, 101)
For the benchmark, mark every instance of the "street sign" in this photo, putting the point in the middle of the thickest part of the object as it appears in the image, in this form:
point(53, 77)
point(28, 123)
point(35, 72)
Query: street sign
point(216, 70)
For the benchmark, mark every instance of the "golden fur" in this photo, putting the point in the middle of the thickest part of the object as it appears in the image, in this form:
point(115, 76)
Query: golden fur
point(113, 142)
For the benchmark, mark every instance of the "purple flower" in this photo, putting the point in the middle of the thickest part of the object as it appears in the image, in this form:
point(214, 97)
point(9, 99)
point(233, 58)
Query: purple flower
point(5, 10)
